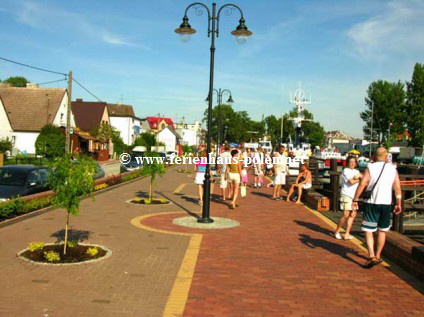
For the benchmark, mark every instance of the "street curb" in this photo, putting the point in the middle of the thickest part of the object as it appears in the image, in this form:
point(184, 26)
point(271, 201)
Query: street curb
point(38, 212)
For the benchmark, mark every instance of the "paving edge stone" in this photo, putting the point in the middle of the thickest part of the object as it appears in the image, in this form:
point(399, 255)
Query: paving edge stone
point(108, 254)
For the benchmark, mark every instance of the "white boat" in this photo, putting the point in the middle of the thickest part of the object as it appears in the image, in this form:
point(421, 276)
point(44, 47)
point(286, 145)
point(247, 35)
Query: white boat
point(328, 153)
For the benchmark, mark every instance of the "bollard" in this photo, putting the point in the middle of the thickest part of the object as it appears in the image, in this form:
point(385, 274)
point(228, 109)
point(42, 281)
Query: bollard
point(333, 165)
point(335, 190)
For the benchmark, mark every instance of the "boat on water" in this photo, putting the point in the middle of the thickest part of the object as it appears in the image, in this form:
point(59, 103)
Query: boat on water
point(327, 154)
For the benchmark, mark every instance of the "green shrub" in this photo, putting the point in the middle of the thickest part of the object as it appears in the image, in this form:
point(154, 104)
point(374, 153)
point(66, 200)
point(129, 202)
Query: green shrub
point(11, 207)
point(34, 246)
point(92, 251)
point(72, 243)
point(52, 256)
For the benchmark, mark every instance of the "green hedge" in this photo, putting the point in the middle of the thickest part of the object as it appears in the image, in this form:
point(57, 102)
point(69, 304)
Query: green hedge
point(19, 206)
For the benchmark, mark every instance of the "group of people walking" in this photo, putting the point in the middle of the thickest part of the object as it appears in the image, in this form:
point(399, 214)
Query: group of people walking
point(372, 189)
point(234, 176)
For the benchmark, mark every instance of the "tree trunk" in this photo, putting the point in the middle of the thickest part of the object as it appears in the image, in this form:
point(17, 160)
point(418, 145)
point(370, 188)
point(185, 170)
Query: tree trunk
point(66, 233)
point(150, 191)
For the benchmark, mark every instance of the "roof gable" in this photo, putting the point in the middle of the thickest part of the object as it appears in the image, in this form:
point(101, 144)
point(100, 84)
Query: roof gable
point(88, 115)
point(155, 121)
point(29, 109)
point(120, 110)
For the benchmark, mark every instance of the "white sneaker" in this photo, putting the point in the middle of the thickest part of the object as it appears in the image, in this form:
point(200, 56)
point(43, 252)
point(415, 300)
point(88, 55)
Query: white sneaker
point(337, 236)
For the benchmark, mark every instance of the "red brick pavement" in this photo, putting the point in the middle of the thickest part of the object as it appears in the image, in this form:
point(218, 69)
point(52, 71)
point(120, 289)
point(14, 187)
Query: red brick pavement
point(283, 261)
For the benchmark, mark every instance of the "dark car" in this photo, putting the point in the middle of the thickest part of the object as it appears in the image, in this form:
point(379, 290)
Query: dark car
point(22, 180)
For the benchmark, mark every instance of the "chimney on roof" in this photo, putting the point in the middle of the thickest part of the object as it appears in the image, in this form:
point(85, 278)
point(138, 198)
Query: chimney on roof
point(79, 100)
point(31, 85)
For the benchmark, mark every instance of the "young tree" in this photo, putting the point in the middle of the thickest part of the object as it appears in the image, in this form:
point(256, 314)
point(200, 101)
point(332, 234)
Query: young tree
point(5, 144)
point(70, 181)
point(388, 100)
point(17, 81)
point(50, 142)
point(414, 109)
point(145, 139)
point(152, 168)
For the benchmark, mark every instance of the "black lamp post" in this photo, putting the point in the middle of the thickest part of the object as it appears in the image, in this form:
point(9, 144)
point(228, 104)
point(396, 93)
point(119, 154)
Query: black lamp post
point(230, 101)
point(241, 33)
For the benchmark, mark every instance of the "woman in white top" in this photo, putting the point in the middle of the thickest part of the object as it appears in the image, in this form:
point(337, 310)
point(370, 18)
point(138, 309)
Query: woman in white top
point(350, 180)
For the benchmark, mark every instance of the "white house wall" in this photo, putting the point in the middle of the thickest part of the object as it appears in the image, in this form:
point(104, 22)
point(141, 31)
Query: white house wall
point(25, 141)
point(59, 119)
point(168, 138)
point(5, 128)
point(124, 126)
point(189, 136)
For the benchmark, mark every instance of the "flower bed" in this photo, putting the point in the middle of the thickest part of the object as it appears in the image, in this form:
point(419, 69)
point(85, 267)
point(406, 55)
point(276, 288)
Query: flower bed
point(53, 253)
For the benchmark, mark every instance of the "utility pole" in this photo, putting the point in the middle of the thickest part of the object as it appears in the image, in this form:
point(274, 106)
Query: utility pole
point(281, 134)
point(68, 115)
point(372, 121)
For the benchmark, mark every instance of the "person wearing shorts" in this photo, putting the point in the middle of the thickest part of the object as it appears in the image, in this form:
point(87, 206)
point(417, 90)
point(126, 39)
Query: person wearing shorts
point(303, 181)
point(281, 170)
point(225, 157)
point(378, 209)
point(350, 180)
point(200, 169)
point(233, 176)
point(258, 162)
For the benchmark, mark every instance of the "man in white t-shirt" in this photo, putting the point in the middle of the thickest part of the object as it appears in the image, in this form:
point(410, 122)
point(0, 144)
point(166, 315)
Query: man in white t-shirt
point(380, 177)
point(225, 159)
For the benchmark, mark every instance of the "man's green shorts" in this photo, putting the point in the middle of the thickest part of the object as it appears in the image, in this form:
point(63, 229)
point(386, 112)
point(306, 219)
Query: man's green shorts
point(376, 217)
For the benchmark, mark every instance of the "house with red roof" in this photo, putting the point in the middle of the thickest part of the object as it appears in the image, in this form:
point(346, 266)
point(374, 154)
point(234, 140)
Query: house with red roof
point(157, 124)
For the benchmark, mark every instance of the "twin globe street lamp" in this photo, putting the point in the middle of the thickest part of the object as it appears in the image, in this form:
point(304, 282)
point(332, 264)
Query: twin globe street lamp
point(241, 33)
point(230, 101)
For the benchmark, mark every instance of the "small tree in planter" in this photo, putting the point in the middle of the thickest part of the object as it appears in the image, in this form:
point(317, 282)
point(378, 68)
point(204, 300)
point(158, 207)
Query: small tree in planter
point(71, 181)
point(152, 168)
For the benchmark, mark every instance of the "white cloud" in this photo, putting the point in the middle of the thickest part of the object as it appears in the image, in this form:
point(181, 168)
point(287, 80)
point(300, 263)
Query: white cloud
point(51, 19)
point(399, 29)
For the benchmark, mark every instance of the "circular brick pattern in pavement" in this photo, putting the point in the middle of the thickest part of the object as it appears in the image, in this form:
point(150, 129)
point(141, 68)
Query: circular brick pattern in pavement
point(219, 223)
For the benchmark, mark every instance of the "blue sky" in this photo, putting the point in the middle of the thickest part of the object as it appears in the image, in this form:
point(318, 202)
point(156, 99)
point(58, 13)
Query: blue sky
point(128, 49)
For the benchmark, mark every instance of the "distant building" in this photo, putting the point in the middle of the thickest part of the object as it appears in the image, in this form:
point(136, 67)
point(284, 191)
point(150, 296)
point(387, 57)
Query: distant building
point(157, 124)
point(190, 133)
point(89, 115)
point(24, 111)
point(122, 118)
point(170, 138)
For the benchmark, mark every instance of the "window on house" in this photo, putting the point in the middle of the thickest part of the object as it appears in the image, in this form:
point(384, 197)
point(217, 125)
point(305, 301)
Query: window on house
point(163, 126)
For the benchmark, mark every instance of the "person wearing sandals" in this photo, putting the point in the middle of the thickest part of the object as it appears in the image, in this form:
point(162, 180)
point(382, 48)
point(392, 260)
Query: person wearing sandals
point(380, 178)
point(233, 176)
point(350, 180)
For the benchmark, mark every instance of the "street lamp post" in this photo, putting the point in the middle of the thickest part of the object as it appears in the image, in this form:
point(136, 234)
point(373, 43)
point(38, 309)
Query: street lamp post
point(230, 101)
point(241, 33)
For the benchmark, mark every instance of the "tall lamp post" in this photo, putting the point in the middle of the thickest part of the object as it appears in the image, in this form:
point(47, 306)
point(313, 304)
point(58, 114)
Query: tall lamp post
point(241, 33)
point(230, 101)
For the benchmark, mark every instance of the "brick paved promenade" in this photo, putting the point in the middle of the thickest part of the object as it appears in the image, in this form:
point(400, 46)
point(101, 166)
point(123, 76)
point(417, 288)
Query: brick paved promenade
point(281, 261)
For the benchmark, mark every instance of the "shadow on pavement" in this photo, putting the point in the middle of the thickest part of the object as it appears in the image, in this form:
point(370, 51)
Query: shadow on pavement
point(142, 194)
point(314, 227)
point(179, 205)
point(334, 248)
point(77, 235)
point(261, 194)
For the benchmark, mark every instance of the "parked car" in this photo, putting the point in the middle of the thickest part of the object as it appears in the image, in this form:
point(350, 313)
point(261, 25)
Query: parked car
point(171, 155)
point(99, 172)
point(163, 155)
point(133, 164)
point(22, 180)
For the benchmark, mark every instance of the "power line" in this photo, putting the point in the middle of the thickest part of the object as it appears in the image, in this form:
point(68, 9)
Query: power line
point(50, 71)
point(86, 90)
point(33, 67)
point(51, 82)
